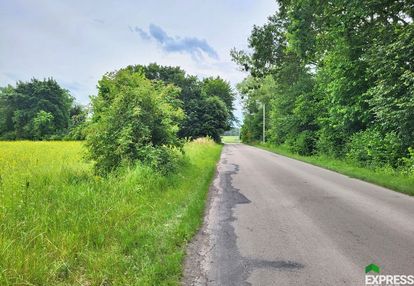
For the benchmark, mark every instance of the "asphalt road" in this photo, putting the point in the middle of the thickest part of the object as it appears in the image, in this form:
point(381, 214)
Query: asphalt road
point(272, 220)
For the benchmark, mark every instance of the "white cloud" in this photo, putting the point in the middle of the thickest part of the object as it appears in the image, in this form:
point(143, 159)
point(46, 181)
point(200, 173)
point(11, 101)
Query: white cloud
point(191, 45)
point(77, 41)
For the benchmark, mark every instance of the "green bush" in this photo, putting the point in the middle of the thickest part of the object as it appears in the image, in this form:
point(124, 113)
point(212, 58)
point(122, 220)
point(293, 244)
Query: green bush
point(134, 119)
point(76, 133)
point(303, 144)
point(42, 124)
point(162, 159)
point(408, 163)
point(330, 142)
point(8, 136)
point(370, 147)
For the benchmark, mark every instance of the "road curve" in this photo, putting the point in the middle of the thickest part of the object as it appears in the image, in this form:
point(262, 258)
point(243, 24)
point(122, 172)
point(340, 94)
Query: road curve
point(272, 220)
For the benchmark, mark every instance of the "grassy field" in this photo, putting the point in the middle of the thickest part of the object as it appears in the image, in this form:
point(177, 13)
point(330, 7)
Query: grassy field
point(62, 225)
point(230, 139)
point(386, 177)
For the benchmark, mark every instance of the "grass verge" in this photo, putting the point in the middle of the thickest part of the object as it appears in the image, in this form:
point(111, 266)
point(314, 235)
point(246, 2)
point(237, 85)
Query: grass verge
point(230, 139)
point(385, 177)
point(62, 225)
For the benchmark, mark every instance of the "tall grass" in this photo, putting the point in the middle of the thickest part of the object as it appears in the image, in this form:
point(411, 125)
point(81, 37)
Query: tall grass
point(62, 225)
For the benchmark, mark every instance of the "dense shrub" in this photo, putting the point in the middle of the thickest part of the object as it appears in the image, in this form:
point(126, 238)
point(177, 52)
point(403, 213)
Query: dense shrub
point(370, 147)
point(163, 159)
point(408, 163)
point(134, 119)
point(330, 143)
point(79, 115)
point(303, 144)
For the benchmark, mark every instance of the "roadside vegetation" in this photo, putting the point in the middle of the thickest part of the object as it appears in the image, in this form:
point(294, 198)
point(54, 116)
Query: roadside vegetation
point(230, 139)
point(118, 207)
point(384, 176)
point(43, 110)
point(337, 83)
point(61, 224)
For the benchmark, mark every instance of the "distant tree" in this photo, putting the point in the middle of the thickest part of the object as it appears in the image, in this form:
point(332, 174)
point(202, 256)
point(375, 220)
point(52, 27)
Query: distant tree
point(78, 122)
point(34, 110)
point(6, 114)
point(217, 87)
point(194, 94)
point(235, 131)
point(214, 118)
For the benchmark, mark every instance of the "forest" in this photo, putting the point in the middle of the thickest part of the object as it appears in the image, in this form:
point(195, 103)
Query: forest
point(336, 79)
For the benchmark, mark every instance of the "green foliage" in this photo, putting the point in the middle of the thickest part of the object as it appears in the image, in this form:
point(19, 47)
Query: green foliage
point(42, 124)
point(331, 141)
point(408, 163)
point(34, 110)
point(164, 159)
point(207, 116)
point(336, 78)
point(134, 119)
point(217, 87)
point(78, 123)
point(303, 144)
point(370, 147)
point(199, 99)
point(201, 119)
point(214, 118)
point(254, 94)
point(391, 98)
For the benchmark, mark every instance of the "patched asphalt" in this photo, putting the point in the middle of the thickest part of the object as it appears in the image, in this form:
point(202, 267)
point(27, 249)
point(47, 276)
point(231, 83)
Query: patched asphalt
point(271, 220)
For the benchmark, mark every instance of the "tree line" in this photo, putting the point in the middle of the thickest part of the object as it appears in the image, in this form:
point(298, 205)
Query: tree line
point(336, 78)
point(141, 113)
point(42, 110)
point(39, 109)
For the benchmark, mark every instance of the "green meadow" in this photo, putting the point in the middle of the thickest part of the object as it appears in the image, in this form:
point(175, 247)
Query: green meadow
point(62, 225)
point(230, 139)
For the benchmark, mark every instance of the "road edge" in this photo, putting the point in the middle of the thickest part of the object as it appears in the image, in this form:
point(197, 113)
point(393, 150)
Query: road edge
point(353, 175)
point(198, 248)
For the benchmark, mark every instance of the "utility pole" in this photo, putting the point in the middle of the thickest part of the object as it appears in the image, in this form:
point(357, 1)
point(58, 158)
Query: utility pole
point(264, 123)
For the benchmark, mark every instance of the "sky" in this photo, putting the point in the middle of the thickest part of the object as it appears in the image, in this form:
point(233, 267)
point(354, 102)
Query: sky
point(78, 41)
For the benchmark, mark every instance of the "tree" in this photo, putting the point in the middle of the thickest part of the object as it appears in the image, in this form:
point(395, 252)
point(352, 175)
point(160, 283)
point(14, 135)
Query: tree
point(78, 122)
point(214, 118)
point(25, 106)
point(341, 78)
point(42, 124)
point(133, 119)
point(391, 98)
point(194, 96)
point(220, 88)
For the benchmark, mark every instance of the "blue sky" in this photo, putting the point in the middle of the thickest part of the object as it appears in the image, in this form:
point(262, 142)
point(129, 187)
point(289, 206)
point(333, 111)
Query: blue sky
point(76, 41)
